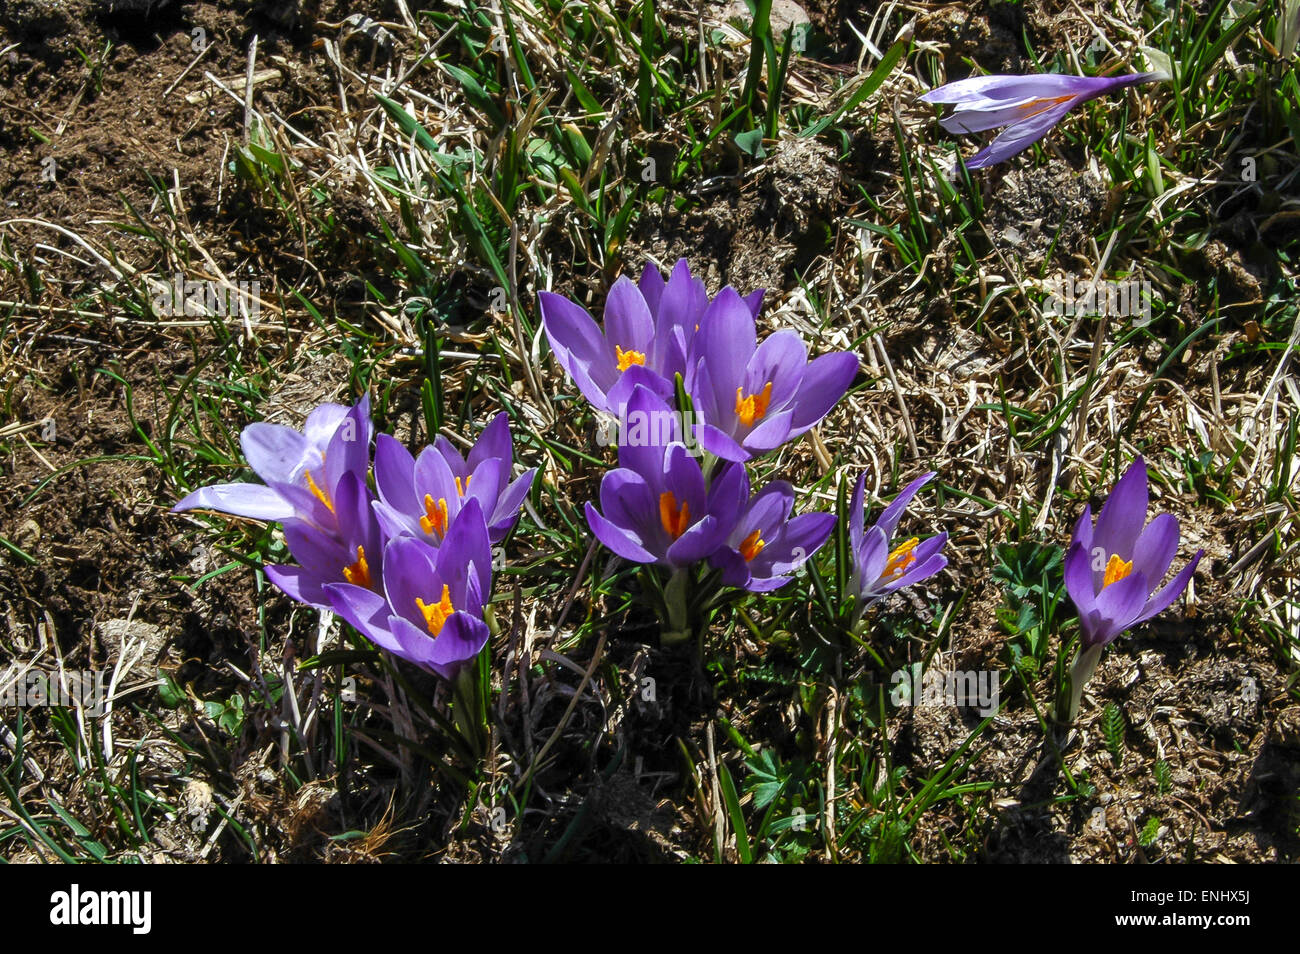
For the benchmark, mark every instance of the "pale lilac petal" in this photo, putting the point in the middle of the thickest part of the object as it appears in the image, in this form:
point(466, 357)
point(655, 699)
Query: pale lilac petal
point(1019, 137)
point(277, 453)
point(242, 500)
point(824, 383)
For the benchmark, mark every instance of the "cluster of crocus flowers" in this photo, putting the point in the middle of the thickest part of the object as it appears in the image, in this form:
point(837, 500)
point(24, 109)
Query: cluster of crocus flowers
point(1024, 107)
point(665, 506)
point(1113, 572)
point(409, 563)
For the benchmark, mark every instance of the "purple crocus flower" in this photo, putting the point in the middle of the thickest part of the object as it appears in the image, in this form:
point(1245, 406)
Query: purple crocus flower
point(648, 331)
point(766, 546)
point(421, 497)
point(880, 567)
point(1112, 570)
point(430, 611)
point(657, 507)
point(352, 552)
point(1028, 106)
point(750, 398)
point(302, 470)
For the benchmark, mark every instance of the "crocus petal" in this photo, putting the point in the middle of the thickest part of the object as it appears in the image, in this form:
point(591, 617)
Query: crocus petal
point(929, 561)
point(857, 516)
point(620, 541)
point(579, 347)
point(798, 541)
point(1019, 137)
point(628, 321)
point(1079, 580)
point(1003, 88)
point(719, 444)
point(493, 444)
point(366, 611)
point(321, 424)
point(1120, 603)
point(726, 340)
point(824, 383)
point(298, 584)
point(699, 541)
point(1121, 519)
point(773, 431)
point(276, 452)
point(242, 500)
point(509, 504)
point(461, 639)
point(1170, 591)
point(395, 475)
point(1155, 548)
point(892, 514)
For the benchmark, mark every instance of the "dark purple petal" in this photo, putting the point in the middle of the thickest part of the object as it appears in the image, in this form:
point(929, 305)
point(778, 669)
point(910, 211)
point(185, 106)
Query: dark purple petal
point(467, 550)
point(1079, 581)
point(461, 639)
point(780, 360)
point(648, 419)
point(510, 503)
point(1083, 529)
point(1121, 519)
point(366, 611)
point(892, 514)
point(726, 341)
point(857, 515)
point(651, 286)
point(1161, 599)
point(700, 540)
point(770, 433)
point(719, 444)
point(299, 584)
point(1120, 603)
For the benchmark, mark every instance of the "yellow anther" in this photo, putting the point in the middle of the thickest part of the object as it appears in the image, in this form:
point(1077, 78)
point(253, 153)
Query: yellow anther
point(752, 546)
point(628, 358)
point(358, 573)
point(435, 616)
point(675, 519)
point(1116, 569)
point(752, 408)
point(435, 516)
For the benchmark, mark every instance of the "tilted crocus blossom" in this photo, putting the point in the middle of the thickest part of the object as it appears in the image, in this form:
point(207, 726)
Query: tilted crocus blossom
point(879, 566)
point(1028, 106)
point(1112, 570)
point(766, 546)
point(422, 496)
point(302, 470)
point(648, 331)
point(352, 553)
point(430, 611)
point(750, 398)
point(657, 506)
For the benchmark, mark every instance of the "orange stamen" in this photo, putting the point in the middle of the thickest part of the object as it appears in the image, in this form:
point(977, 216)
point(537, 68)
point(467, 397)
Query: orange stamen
point(1116, 569)
point(461, 491)
point(752, 546)
point(628, 358)
point(752, 408)
point(675, 520)
point(435, 516)
point(435, 616)
point(1041, 105)
point(319, 493)
point(900, 558)
point(358, 574)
